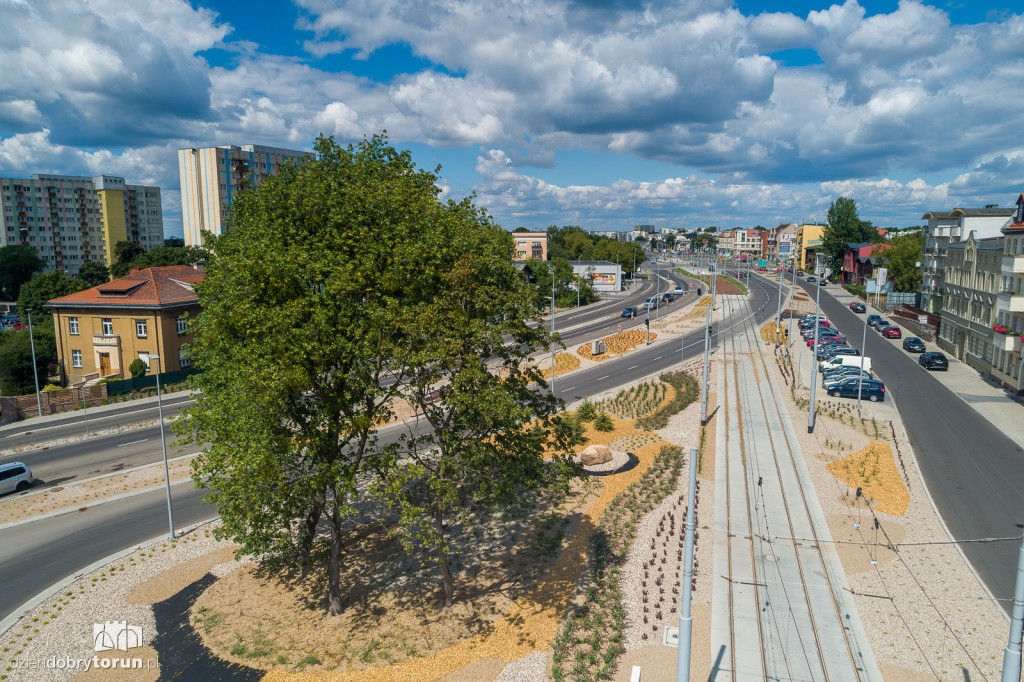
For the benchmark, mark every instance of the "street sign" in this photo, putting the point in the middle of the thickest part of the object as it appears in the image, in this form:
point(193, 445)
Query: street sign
point(922, 319)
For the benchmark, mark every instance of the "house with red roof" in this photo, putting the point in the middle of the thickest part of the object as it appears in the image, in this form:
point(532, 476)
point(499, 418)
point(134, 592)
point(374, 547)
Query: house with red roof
point(101, 330)
point(860, 261)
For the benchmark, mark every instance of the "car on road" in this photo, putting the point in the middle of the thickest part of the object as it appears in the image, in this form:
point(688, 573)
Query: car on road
point(812, 279)
point(912, 344)
point(874, 320)
point(630, 312)
point(651, 303)
point(873, 389)
point(678, 291)
point(893, 332)
point(933, 360)
point(858, 307)
point(15, 477)
point(667, 297)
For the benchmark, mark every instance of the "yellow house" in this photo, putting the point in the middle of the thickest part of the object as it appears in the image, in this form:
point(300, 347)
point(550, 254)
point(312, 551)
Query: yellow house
point(101, 330)
point(808, 241)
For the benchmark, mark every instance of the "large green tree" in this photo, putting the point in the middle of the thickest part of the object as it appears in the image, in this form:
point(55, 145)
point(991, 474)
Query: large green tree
point(901, 260)
point(93, 273)
point(124, 253)
point(43, 287)
point(16, 376)
point(626, 254)
point(844, 227)
point(305, 350)
point(18, 262)
point(489, 427)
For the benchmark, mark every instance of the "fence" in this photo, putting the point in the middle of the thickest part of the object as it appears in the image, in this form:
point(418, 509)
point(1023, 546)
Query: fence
point(895, 299)
point(13, 408)
point(149, 381)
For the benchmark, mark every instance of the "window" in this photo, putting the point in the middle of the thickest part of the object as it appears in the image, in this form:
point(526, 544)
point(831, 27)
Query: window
point(76, 358)
point(140, 329)
point(182, 326)
point(145, 358)
point(184, 362)
point(107, 325)
point(73, 325)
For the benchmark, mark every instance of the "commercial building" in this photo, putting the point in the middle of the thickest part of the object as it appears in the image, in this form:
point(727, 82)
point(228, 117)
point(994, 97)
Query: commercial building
point(530, 245)
point(776, 242)
point(1008, 330)
point(101, 330)
point(808, 243)
point(603, 275)
point(211, 176)
point(971, 289)
point(69, 219)
point(944, 229)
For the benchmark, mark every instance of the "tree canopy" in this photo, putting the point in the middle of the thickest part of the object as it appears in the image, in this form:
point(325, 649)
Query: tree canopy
point(902, 260)
point(44, 287)
point(18, 262)
point(16, 376)
point(93, 273)
point(306, 350)
point(129, 255)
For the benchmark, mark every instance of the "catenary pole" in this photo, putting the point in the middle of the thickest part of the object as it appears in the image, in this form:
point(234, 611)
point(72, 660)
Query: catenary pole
point(685, 618)
point(778, 314)
point(814, 353)
point(704, 381)
point(863, 352)
point(1011, 655)
point(35, 370)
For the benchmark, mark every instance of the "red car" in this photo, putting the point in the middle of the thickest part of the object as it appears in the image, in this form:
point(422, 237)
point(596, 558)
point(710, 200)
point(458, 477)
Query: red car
point(825, 340)
point(893, 332)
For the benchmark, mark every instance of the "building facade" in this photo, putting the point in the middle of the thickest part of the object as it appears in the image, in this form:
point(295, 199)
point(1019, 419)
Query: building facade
point(101, 330)
point(211, 176)
point(603, 275)
point(971, 288)
point(1008, 331)
point(530, 245)
point(944, 229)
point(808, 243)
point(860, 261)
point(70, 219)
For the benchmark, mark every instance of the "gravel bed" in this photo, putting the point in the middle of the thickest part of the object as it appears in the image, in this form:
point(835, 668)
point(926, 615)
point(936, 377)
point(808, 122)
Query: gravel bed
point(530, 668)
point(62, 626)
point(939, 617)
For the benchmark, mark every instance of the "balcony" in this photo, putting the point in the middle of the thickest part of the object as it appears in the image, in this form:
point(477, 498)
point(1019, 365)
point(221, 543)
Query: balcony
point(1009, 302)
point(104, 340)
point(1008, 342)
point(1012, 264)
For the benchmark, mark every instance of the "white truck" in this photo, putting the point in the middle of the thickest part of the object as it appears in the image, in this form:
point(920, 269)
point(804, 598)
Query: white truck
point(847, 361)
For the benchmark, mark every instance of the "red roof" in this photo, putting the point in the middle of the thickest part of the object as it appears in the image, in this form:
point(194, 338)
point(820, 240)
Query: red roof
point(160, 287)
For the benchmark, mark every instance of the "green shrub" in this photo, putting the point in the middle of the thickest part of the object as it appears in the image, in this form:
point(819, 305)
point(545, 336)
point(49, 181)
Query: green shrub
point(51, 387)
point(603, 422)
point(586, 411)
point(137, 368)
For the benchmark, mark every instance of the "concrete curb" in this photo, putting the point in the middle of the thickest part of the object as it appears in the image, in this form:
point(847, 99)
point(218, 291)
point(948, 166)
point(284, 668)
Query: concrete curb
point(10, 621)
point(100, 411)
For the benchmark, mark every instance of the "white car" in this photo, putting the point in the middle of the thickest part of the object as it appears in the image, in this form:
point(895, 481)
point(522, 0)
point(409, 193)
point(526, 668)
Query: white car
point(15, 476)
point(678, 291)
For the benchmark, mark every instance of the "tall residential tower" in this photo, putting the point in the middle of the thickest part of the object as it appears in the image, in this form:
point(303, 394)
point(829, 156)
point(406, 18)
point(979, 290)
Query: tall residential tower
point(70, 219)
point(210, 177)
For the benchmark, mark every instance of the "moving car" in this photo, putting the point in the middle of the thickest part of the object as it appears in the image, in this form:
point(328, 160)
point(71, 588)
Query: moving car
point(893, 332)
point(933, 360)
point(872, 389)
point(812, 279)
point(630, 312)
point(15, 476)
point(912, 344)
point(874, 319)
point(651, 303)
point(667, 297)
point(678, 291)
point(858, 307)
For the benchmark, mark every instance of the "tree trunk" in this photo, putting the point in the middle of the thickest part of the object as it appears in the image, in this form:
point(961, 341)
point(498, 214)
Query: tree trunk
point(447, 582)
point(334, 561)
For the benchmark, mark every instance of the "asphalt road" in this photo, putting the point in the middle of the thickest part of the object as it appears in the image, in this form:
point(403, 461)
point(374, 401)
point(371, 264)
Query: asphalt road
point(38, 554)
point(973, 471)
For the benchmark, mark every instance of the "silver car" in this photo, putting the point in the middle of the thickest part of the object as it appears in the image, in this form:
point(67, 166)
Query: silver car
point(15, 476)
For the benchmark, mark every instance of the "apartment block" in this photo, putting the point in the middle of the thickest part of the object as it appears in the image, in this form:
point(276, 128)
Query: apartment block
point(70, 219)
point(212, 176)
point(972, 285)
point(530, 245)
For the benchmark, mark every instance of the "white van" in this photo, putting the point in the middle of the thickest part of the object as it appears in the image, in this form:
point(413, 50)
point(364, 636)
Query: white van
point(848, 361)
point(14, 476)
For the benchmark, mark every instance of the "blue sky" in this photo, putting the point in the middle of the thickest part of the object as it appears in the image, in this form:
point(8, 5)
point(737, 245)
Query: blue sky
point(602, 113)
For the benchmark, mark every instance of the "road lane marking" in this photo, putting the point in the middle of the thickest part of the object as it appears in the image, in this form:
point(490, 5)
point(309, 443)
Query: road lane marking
point(659, 357)
point(133, 442)
point(604, 377)
point(633, 367)
point(568, 389)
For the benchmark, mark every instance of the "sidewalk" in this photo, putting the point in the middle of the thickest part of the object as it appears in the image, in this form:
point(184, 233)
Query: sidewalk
point(97, 411)
point(1002, 410)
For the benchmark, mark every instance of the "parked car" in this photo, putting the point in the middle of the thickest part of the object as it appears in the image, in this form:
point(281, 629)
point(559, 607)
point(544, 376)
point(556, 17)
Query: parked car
point(872, 389)
point(858, 307)
point(826, 341)
point(630, 312)
point(893, 332)
point(826, 382)
point(874, 319)
point(830, 353)
point(933, 360)
point(15, 476)
point(880, 327)
point(912, 344)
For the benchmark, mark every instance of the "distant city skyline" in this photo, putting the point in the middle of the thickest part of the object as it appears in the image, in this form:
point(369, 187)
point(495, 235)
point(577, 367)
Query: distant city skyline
point(587, 112)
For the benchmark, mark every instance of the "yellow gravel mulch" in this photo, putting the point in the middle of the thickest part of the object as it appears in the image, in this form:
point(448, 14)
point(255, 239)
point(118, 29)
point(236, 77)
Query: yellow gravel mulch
point(617, 344)
point(532, 623)
point(873, 469)
point(564, 362)
point(768, 333)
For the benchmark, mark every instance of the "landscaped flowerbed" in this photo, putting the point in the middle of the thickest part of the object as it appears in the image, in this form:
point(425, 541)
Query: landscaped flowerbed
point(636, 401)
point(564, 362)
point(589, 642)
point(873, 470)
point(686, 391)
point(617, 344)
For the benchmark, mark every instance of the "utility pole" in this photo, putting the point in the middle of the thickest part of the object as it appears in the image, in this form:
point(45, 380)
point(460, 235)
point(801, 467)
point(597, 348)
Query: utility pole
point(778, 315)
point(814, 353)
point(1011, 655)
point(648, 323)
point(863, 351)
point(685, 618)
point(704, 382)
point(789, 332)
point(552, 329)
point(35, 370)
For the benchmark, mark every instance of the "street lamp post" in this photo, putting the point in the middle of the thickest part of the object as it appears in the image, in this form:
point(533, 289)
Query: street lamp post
point(163, 444)
point(85, 409)
point(35, 370)
point(814, 353)
point(863, 350)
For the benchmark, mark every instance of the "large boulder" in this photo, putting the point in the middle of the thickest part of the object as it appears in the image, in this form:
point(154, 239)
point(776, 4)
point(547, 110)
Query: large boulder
point(594, 455)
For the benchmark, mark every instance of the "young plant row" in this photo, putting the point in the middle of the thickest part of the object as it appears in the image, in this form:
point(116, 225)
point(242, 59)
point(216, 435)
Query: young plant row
point(687, 389)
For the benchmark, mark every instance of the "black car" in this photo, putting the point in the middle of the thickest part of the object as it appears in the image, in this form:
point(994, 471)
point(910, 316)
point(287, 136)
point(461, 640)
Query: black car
point(912, 344)
point(630, 312)
point(872, 389)
point(874, 319)
point(933, 360)
point(858, 307)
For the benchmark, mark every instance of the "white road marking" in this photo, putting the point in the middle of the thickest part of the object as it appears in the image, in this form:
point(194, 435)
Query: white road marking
point(133, 442)
point(604, 377)
point(633, 367)
point(571, 388)
point(659, 357)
